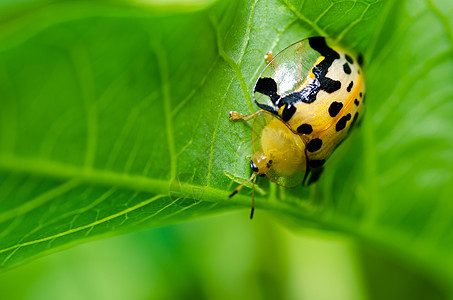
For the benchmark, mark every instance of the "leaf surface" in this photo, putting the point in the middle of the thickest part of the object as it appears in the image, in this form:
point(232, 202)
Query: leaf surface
point(114, 118)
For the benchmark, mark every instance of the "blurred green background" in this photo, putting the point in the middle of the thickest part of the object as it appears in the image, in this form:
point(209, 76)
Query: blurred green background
point(113, 120)
point(222, 257)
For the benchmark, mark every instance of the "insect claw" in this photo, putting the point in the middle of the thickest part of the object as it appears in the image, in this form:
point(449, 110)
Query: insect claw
point(234, 115)
point(269, 56)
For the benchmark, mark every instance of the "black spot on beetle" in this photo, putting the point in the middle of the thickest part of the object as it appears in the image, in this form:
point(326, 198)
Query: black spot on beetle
point(356, 102)
point(347, 68)
point(335, 108)
point(349, 88)
point(314, 145)
point(349, 59)
point(341, 124)
point(305, 129)
point(319, 44)
point(316, 163)
point(329, 85)
point(268, 87)
point(360, 94)
point(288, 112)
point(320, 70)
point(292, 98)
point(269, 164)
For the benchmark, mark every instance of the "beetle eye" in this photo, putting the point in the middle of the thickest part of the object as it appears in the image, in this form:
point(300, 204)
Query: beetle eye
point(253, 166)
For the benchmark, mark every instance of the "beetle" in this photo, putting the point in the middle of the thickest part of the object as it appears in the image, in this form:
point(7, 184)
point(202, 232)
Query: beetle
point(309, 95)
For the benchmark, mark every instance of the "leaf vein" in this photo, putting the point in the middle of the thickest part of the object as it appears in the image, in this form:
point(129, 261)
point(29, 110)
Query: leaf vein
point(353, 23)
point(235, 66)
point(81, 62)
point(74, 230)
point(39, 200)
point(164, 74)
point(305, 19)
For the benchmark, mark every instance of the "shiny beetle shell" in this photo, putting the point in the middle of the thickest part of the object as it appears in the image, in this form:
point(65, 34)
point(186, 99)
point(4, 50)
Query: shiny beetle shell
point(317, 89)
point(311, 94)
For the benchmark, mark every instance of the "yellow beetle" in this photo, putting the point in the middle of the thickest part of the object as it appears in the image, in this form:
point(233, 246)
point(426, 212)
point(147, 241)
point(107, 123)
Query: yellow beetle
point(310, 95)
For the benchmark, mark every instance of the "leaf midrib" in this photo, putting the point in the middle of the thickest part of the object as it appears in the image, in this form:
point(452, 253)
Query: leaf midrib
point(294, 208)
point(98, 177)
point(297, 208)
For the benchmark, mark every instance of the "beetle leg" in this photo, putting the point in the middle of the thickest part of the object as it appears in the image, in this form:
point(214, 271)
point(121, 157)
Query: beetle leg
point(315, 175)
point(234, 115)
point(269, 56)
point(307, 169)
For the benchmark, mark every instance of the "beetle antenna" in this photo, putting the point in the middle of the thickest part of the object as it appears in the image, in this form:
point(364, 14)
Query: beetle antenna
point(253, 198)
point(242, 185)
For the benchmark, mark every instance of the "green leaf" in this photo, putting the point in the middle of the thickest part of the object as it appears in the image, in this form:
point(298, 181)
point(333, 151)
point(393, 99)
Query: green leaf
point(114, 118)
